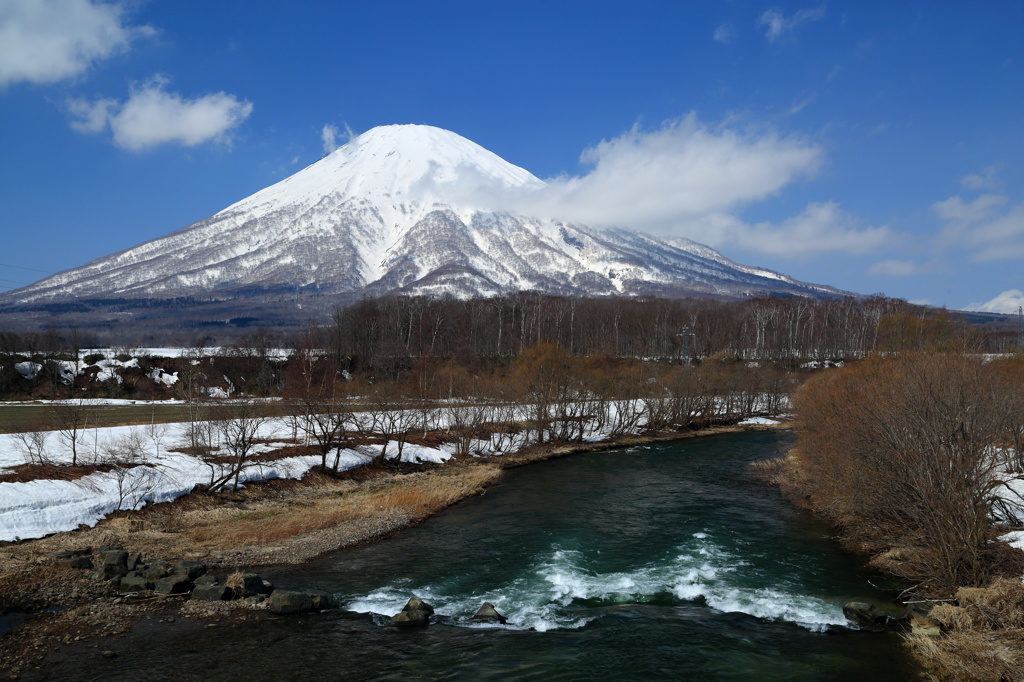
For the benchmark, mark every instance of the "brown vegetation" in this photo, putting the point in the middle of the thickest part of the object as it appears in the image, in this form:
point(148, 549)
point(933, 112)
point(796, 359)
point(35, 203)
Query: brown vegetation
point(389, 339)
point(275, 522)
point(906, 454)
point(983, 635)
point(50, 472)
point(264, 524)
point(898, 452)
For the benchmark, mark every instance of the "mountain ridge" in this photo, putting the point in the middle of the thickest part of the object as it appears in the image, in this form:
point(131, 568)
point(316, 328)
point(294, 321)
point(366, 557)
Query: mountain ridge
point(404, 209)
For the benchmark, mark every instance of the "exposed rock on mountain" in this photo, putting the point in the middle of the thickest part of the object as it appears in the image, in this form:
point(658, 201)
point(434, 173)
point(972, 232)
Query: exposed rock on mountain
point(402, 208)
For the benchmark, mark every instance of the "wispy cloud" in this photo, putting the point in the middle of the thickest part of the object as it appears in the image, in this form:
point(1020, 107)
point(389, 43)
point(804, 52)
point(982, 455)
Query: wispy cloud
point(823, 227)
point(153, 116)
point(332, 138)
point(44, 41)
point(801, 104)
point(689, 179)
point(896, 268)
point(985, 180)
point(329, 137)
point(990, 227)
point(725, 33)
point(957, 212)
point(777, 25)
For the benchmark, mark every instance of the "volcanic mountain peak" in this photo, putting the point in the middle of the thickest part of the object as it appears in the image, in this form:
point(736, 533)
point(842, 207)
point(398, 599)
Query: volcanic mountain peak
point(401, 163)
point(404, 208)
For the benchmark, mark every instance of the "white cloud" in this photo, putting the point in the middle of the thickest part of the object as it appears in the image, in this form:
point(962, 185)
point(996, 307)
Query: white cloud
point(959, 212)
point(683, 171)
point(689, 180)
point(989, 227)
point(332, 138)
point(894, 268)
point(801, 104)
point(986, 180)
point(822, 228)
point(725, 33)
point(777, 24)
point(1007, 302)
point(92, 116)
point(329, 137)
point(152, 116)
point(44, 41)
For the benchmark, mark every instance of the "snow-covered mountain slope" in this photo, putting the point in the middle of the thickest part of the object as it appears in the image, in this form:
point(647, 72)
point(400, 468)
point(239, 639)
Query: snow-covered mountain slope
point(403, 208)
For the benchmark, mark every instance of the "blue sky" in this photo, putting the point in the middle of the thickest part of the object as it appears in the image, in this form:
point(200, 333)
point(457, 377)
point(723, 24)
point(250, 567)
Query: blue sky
point(873, 146)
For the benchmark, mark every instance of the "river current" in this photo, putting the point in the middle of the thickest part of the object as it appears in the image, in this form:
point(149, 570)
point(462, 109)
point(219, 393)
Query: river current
point(660, 562)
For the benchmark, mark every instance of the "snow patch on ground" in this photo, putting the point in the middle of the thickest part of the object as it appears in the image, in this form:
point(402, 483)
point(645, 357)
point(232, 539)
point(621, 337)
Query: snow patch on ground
point(28, 370)
point(759, 421)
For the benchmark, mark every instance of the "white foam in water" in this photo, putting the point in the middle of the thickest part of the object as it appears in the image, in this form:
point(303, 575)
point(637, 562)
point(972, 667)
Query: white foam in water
point(543, 599)
point(810, 612)
point(699, 576)
point(386, 600)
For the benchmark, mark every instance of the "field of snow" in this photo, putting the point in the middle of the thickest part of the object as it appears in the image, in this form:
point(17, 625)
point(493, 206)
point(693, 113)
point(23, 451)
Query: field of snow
point(37, 508)
point(41, 507)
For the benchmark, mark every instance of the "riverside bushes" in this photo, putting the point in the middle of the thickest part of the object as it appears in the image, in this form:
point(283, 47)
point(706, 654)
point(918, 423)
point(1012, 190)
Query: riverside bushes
point(905, 454)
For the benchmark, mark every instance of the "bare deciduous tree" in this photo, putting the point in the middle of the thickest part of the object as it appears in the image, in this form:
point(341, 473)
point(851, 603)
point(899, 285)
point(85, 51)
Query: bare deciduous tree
point(33, 445)
point(238, 424)
point(69, 418)
point(134, 478)
point(902, 452)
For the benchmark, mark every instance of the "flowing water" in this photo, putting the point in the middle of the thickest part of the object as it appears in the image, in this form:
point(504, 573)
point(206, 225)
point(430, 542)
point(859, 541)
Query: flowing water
point(660, 562)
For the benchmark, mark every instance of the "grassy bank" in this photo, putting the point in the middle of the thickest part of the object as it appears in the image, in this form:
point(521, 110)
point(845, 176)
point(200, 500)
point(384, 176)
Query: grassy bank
point(982, 635)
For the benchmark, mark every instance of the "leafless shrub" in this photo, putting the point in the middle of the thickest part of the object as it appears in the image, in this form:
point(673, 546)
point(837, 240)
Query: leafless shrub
point(33, 446)
point(157, 431)
point(898, 452)
point(135, 480)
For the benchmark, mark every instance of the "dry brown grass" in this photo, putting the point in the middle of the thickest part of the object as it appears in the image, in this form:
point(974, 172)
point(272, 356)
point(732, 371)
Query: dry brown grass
point(953, 618)
point(415, 496)
point(983, 636)
point(235, 580)
point(972, 655)
point(275, 522)
point(772, 471)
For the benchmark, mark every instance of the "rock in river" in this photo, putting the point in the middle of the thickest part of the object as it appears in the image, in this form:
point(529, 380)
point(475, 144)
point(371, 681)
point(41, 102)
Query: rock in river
point(488, 614)
point(416, 612)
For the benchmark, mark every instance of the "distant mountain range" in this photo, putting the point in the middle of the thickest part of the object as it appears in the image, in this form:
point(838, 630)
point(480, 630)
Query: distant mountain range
point(399, 209)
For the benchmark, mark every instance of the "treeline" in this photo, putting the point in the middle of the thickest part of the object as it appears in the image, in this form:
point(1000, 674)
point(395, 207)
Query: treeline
point(544, 395)
point(393, 338)
point(383, 332)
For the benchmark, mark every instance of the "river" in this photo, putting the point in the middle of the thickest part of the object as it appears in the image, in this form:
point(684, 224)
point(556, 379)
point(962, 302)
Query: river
point(661, 562)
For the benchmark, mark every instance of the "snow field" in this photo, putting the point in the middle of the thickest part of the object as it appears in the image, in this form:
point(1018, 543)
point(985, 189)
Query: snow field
point(38, 508)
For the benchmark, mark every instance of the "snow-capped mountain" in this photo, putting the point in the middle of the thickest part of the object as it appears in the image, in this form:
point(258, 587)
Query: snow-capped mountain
point(403, 208)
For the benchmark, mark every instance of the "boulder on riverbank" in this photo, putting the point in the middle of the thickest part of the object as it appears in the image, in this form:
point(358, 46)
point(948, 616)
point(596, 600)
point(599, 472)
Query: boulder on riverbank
point(249, 584)
point(864, 615)
point(288, 602)
point(415, 613)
